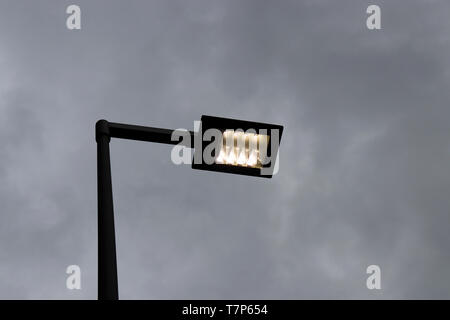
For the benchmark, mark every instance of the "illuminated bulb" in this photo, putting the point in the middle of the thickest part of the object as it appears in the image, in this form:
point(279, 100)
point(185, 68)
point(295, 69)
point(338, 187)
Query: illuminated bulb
point(221, 157)
point(252, 159)
point(242, 159)
point(239, 136)
point(253, 141)
point(228, 137)
point(231, 157)
point(262, 148)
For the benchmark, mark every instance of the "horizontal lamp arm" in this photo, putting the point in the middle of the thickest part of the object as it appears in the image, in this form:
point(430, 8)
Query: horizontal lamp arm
point(141, 133)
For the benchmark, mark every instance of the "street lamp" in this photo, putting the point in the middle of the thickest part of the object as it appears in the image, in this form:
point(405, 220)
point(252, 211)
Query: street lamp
point(241, 147)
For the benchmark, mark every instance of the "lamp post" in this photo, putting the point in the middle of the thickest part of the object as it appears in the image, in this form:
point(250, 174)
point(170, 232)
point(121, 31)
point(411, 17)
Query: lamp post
point(104, 131)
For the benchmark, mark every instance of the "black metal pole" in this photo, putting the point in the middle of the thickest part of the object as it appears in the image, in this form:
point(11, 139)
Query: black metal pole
point(104, 131)
point(107, 263)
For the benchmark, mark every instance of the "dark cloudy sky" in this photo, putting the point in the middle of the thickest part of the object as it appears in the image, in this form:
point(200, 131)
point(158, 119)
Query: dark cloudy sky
point(364, 160)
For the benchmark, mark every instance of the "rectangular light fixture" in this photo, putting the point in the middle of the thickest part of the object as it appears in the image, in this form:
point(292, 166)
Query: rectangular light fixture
point(247, 147)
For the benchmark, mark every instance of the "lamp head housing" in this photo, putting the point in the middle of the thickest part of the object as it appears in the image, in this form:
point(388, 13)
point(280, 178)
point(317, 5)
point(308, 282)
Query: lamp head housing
point(240, 147)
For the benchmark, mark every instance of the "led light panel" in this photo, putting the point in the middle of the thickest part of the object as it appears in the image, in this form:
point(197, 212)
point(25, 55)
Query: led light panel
point(246, 147)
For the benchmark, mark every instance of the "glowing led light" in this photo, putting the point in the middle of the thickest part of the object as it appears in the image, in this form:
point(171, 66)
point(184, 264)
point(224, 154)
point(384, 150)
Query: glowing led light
point(252, 159)
point(242, 159)
point(231, 156)
point(263, 142)
point(242, 149)
point(221, 157)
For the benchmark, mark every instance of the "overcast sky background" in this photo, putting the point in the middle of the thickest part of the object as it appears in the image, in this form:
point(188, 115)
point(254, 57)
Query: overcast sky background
point(364, 161)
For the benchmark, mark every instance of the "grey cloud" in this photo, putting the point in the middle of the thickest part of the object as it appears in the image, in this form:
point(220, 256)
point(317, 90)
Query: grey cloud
point(363, 175)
